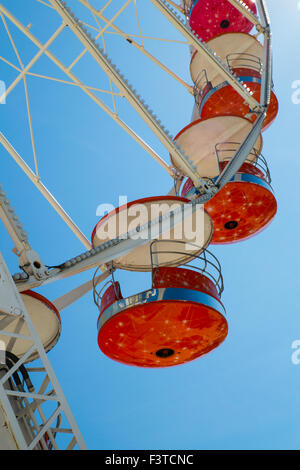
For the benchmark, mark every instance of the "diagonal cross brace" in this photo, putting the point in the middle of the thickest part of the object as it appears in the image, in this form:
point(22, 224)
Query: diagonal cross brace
point(201, 47)
point(132, 97)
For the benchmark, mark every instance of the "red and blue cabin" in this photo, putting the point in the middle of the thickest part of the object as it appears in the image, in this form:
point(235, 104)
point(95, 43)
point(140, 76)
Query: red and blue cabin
point(176, 321)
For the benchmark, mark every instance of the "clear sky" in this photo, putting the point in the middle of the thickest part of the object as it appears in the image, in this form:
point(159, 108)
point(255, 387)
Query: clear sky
point(245, 394)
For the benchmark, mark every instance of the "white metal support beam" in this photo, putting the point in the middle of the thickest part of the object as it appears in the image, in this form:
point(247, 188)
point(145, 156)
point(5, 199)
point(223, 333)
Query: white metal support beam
point(87, 90)
point(31, 63)
point(242, 153)
point(246, 146)
point(135, 100)
point(28, 259)
point(138, 46)
point(267, 57)
point(87, 43)
point(112, 249)
point(75, 294)
point(11, 304)
point(31, 175)
point(201, 47)
point(12, 223)
point(245, 10)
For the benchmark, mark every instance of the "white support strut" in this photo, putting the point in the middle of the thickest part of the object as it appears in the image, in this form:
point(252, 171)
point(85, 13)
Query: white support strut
point(30, 425)
point(201, 47)
point(112, 249)
point(143, 110)
point(36, 181)
point(245, 10)
point(86, 90)
point(11, 304)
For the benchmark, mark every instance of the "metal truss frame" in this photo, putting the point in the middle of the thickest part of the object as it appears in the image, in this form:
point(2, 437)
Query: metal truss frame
point(35, 272)
point(34, 409)
point(41, 276)
point(127, 91)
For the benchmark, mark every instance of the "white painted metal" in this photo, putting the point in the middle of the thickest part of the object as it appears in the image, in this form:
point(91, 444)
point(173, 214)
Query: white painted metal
point(140, 47)
point(46, 321)
point(28, 259)
point(10, 302)
point(199, 140)
point(15, 306)
point(75, 294)
point(11, 433)
point(265, 97)
point(92, 264)
point(243, 8)
point(267, 57)
point(88, 91)
point(113, 249)
point(50, 198)
point(151, 120)
point(245, 148)
point(32, 62)
point(12, 223)
point(195, 229)
point(207, 52)
point(223, 45)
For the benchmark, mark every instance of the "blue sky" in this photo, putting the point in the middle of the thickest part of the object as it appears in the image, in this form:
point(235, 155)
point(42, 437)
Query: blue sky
point(244, 395)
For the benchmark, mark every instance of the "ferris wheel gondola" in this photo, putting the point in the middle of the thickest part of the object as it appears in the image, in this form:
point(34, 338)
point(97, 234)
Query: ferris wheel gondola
point(243, 54)
point(246, 205)
point(176, 321)
point(210, 18)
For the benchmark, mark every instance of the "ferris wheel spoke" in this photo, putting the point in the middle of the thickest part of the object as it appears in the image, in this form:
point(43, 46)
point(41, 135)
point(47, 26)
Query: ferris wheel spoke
point(175, 5)
point(42, 50)
point(75, 294)
point(110, 22)
point(138, 22)
point(11, 40)
point(143, 110)
point(168, 40)
point(247, 13)
point(105, 6)
point(267, 55)
point(66, 82)
point(45, 192)
point(10, 64)
point(31, 128)
point(201, 47)
point(110, 82)
point(97, 100)
point(153, 38)
point(44, 3)
point(86, 89)
point(108, 251)
point(138, 46)
point(23, 75)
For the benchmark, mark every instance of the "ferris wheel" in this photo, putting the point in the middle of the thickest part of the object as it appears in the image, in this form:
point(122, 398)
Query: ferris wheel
point(220, 194)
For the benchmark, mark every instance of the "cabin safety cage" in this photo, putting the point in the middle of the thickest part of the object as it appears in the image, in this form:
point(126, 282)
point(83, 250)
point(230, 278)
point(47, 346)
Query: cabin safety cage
point(218, 176)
